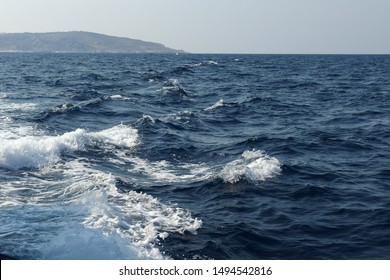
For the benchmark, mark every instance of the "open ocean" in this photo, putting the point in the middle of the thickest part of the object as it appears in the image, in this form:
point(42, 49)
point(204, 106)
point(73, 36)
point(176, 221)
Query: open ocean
point(118, 156)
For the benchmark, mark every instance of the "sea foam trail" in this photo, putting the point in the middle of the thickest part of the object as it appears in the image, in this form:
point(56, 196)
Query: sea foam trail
point(88, 217)
point(37, 151)
point(132, 223)
point(253, 166)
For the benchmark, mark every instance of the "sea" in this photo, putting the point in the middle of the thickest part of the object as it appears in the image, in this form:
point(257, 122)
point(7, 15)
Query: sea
point(194, 156)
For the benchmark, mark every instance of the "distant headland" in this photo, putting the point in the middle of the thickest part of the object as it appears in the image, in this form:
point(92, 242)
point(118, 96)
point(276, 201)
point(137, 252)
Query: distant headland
point(77, 42)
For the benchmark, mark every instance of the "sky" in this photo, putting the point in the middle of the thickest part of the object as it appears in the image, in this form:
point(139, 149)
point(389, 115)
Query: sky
point(216, 26)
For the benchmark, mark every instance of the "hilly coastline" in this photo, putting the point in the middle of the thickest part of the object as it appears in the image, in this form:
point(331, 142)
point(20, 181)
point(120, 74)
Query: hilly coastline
point(77, 42)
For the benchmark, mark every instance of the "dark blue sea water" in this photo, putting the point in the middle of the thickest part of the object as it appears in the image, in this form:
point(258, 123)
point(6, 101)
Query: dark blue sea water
point(109, 156)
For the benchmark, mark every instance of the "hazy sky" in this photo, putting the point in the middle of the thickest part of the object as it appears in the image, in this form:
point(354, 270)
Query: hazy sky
point(216, 26)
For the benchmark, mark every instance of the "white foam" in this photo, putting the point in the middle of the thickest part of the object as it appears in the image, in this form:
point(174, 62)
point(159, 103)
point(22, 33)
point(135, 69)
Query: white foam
point(10, 130)
point(80, 243)
point(212, 62)
point(181, 116)
point(32, 151)
point(137, 219)
point(220, 103)
point(120, 135)
point(116, 96)
point(165, 172)
point(10, 106)
point(146, 118)
point(82, 215)
point(140, 218)
point(196, 64)
point(6, 119)
point(253, 166)
point(170, 85)
point(119, 97)
point(37, 151)
point(57, 232)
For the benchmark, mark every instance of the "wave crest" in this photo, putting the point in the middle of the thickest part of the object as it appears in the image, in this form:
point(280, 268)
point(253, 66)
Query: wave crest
point(38, 151)
point(253, 166)
point(219, 103)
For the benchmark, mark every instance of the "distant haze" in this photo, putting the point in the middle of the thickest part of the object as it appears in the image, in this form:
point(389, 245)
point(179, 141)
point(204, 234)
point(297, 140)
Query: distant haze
point(216, 26)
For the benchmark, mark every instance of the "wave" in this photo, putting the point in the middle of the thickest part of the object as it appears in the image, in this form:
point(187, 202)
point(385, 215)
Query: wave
point(13, 131)
point(3, 95)
point(181, 117)
point(152, 76)
point(89, 217)
point(212, 62)
point(38, 151)
point(10, 107)
point(81, 94)
point(181, 70)
point(203, 63)
point(140, 219)
point(5, 119)
point(146, 119)
point(253, 166)
point(165, 172)
point(173, 86)
point(93, 77)
point(188, 68)
point(194, 65)
point(75, 107)
point(220, 103)
point(119, 97)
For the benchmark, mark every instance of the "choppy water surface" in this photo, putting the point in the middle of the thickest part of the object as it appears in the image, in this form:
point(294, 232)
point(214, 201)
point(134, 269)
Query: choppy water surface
point(194, 156)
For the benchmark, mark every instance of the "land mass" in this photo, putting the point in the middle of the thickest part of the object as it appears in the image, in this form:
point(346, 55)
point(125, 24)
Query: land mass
point(77, 42)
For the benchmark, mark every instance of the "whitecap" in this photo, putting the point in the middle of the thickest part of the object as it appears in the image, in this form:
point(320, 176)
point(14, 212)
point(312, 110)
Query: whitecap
point(116, 96)
point(37, 151)
point(212, 62)
point(253, 166)
point(172, 85)
point(120, 135)
point(34, 151)
point(193, 65)
point(119, 97)
point(220, 103)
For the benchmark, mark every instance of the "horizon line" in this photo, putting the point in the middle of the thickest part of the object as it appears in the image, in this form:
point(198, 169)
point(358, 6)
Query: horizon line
point(197, 53)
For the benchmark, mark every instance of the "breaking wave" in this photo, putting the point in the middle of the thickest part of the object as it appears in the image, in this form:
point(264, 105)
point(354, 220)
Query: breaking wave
point(253, 166)
point(37, 151)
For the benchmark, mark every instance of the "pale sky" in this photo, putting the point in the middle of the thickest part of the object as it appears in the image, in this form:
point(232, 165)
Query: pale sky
point(216, 26)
